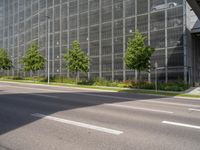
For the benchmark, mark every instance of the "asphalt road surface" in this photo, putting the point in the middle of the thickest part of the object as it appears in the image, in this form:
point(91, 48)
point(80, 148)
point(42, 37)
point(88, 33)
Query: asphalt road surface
point(39, 117)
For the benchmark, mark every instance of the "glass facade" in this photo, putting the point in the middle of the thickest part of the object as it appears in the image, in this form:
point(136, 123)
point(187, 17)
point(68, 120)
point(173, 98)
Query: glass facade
point(102, 27)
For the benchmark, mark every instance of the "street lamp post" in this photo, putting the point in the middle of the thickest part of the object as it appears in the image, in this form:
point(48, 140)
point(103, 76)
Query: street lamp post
point(48, 52)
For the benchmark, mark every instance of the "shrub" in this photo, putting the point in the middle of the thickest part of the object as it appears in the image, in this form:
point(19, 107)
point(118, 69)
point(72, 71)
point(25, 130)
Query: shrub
point(171, 86)
point(101, 82)
point(174, 86)
point(36, 78)
point(63, 79)
point(12, 77)
point(86, 82)
point(126, 84)
point(144, 85)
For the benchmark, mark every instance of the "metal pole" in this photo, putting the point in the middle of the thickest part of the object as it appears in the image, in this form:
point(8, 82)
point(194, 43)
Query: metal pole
point(48, 53)
point(156, 77)
point(189, 75)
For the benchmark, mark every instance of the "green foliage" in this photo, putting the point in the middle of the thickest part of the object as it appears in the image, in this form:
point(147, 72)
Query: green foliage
point(76, 59)
point(104, 82)
point(86, 82)
point(63, 79)
point(11, 78)
point(33, 60)
point(101, 82)
point(36, 79)
point(126, 84)
point(174, 86)
point(5, 61)
point(171, 86)
point(138, 54)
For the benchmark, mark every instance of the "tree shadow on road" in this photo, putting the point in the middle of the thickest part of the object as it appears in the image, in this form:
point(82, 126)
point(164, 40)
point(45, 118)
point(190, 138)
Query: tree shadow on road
point(16, 109)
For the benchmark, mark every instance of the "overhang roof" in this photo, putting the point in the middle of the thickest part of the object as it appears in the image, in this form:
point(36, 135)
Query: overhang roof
point(195, 5)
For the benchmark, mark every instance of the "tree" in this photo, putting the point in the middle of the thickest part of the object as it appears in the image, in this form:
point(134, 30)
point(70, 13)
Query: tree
point(5, 61)
point(138, 54)
point(77, 61)
point(33, 60)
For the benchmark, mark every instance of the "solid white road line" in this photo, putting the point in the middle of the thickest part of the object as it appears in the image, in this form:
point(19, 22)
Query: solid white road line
point(192, 109)
point(140, 108)
point(79, 124)
point(170, 103)
point(181, 124)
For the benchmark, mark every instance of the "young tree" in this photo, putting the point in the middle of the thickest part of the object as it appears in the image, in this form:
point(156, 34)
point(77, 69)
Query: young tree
point(5, 61)
point(138, 54)
point(77, 61)
point(33, 60)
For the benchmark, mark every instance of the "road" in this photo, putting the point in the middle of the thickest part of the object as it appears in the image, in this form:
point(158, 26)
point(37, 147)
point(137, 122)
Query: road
point(40, 117)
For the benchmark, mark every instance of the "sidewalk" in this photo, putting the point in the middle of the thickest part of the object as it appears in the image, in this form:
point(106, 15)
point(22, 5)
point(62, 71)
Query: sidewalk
point(193, 91)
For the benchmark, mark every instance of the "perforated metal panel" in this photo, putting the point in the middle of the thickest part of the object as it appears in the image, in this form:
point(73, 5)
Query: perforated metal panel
point(102, 27)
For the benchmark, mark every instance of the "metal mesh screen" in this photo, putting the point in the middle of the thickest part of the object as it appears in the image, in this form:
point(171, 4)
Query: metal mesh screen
point(102, 27)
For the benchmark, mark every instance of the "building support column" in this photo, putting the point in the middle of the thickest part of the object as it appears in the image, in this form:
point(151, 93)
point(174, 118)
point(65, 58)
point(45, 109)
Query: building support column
point(149, 40)
point(113, 40)
point(124, 42)
point(136, 1)
point(166, 45)
point(88, 39)
point(68, 44)
point(185, 41)
point(60, 42)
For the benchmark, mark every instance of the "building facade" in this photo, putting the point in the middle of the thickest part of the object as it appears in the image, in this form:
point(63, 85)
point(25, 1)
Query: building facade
point(103, 28)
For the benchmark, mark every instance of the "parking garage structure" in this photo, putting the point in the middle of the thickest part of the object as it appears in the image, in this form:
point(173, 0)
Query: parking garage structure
point(103, 28)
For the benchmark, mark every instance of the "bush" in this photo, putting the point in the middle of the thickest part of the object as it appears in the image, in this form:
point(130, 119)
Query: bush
point(86, 82)
point(63, 79)
point(11, 77)
point(101, 82)
point(126, 84)
point(175, 86)
point(36, 78)
point(172, 86)
point(144, 85)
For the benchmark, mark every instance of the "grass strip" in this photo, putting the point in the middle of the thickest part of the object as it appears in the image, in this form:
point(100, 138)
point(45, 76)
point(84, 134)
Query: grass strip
point(115, 89)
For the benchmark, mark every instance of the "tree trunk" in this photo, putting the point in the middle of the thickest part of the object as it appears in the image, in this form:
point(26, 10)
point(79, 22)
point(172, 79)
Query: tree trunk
point(1, 73)
point(31, 73)
point(139, 76)
point(33, 76)
point(77, 77)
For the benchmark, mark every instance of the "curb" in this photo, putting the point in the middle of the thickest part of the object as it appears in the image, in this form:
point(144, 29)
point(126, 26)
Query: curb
point(100, 90)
